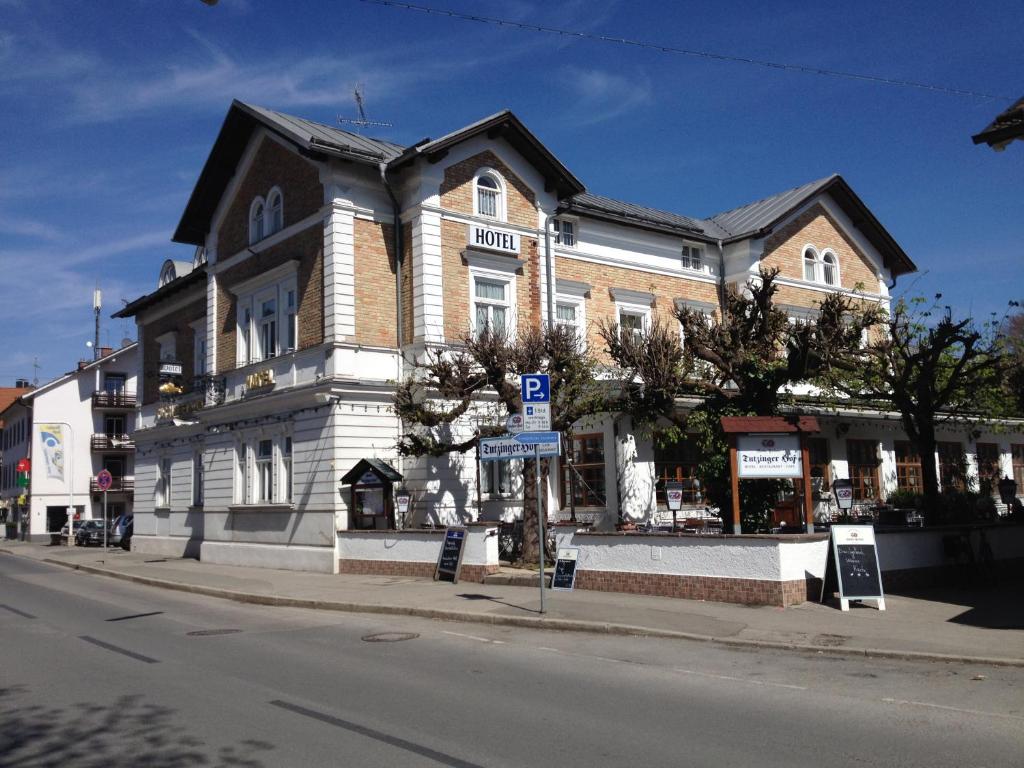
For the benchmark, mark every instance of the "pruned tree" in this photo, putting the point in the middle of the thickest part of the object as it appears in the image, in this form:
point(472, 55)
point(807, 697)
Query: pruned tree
point(928, 371)
point(480, 381)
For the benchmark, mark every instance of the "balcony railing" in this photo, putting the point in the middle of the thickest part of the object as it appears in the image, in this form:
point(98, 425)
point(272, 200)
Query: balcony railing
point(113, 399)
point(120, 484)
point(109, 442)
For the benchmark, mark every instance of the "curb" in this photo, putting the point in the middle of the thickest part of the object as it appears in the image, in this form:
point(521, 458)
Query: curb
point(564, 625)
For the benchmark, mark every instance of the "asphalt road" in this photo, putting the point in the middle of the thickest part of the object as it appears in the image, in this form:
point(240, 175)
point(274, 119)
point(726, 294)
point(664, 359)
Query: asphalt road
point(98, 672)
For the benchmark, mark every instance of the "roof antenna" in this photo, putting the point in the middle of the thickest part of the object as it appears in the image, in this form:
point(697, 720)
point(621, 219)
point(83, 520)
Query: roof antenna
point(362, 121)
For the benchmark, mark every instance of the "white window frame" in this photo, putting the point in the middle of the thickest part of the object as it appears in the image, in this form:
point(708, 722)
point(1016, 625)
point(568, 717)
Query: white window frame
point(558, 231)
point(579, 304)
point(242, 473)
point(640, 310)
point(707, 309)
point(689, 262)
point(501, 196)
point(274, 284)
point(168, 343)
point(493, 276)
point(162, 492)
point(491, 473)
point(273, 216)
point(265, 471)
point(824, 267)
point(814, 261)
point(287, 483)
point(257, 215)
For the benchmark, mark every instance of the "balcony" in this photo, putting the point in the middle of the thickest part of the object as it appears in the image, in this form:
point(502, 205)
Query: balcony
point(122, 484)
point(114, 401)
point(105, 442)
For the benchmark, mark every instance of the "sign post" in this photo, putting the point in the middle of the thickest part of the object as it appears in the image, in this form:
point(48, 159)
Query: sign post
point(103, 481)
point(674, 497)
point(402, 500)
point(535, 389)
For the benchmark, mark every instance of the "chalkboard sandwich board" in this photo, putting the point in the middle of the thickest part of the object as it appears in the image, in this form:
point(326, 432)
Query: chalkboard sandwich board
point(564, 577)
point(450, 560)
point(853, 566)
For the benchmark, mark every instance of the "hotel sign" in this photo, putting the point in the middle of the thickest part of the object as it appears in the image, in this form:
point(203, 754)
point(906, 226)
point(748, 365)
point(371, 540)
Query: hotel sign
point(260, 379)
point(768, 456)
point(492, 239)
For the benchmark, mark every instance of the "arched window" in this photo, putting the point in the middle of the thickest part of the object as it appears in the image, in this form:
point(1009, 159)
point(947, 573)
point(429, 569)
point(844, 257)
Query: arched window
point(830, 268)
point(489, 200)
point(256, 228)
point(810, 264)
point(275, 212)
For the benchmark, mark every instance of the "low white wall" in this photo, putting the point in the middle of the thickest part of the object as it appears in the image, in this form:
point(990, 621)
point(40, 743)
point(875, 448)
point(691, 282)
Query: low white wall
point(481, 547)
point(922, 548)
point(162, 546)
point(802, 559)
point(292, 558)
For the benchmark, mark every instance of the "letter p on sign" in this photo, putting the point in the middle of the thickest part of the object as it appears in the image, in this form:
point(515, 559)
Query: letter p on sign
point(535, 388)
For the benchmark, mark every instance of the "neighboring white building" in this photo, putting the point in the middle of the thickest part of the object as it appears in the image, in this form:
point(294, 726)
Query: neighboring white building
point(80, 423)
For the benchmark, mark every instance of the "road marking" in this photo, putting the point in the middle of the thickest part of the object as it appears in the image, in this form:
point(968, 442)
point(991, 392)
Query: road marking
point(979, 712)
point(12, 609)
point(136, 616)
point(362, 730)
point(116, 649)
point(474, 637)
point(740, 679)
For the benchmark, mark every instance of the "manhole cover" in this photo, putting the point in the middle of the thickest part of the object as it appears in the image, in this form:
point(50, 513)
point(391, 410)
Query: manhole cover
point(212, 632)
point(390, 637)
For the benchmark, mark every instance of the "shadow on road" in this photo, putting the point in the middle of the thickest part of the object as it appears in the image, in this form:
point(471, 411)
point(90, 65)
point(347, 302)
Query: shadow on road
point(127, 732)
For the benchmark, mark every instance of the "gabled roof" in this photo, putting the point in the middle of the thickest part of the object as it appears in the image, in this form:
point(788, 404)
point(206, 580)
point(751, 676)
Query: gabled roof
point(507, 126)
point(239, 124)
point(381, 469)
point(759, 218)
point(197, 275)
point(9, 394)
point(43, 388)
point(597, 206)
point(1008, 125)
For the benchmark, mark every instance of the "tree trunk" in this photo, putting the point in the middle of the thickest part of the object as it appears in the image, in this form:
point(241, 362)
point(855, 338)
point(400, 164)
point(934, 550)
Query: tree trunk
point(531, 525)
point(929, 472)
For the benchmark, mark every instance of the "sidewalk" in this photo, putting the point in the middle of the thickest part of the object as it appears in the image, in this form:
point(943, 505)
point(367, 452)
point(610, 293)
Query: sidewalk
point(948, 625)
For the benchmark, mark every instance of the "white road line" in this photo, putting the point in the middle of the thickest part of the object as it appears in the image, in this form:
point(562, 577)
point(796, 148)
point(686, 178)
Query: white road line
point(544, 648)
point(740, 679)
point(474, 637)
point(951, 709)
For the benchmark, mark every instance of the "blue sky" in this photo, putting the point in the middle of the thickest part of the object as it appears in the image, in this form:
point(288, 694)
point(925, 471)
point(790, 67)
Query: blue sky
point(110, 108)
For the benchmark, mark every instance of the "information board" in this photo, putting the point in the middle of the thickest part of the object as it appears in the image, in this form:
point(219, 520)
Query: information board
point(450, 560)
point(564, 577)
point(853, 566)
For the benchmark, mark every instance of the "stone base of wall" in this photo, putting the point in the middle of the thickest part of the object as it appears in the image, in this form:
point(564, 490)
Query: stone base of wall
point(473, 573)
point(725, 590)
point(951, 575)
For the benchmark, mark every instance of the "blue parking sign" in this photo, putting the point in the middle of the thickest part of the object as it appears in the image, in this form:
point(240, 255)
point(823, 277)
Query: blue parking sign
point(535, 388)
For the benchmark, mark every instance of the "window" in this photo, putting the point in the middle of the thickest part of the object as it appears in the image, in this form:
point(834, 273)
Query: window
point(114, 383)
point(199, 347)
point(988, 468)
point(583, 480)
point(489, 200)
point(286, 469)
point(265, 471)
point(693, 258)
point(256, 215)
point(862, 458)
point(275, 213)
point(162, 497)
point(496, 478)
point(632, 321)
point(569, 313)
point(197, 479)
point(242, 474)
point(565, 232)
point(817, 450)
point(952, 466)
point(491, 304)
point(810, 265)
point(1017, 459)
point(267, 314)
point(678, 463)
point(830, 268)
point(908, 467)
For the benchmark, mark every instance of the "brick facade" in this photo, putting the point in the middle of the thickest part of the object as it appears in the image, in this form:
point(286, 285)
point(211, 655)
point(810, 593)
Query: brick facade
point(376, 310)
point(273, 165)
point(723, 590)
point(423, 570)
point(784, 249)
point(184, 352)
point(307, 248)
point(457, 189)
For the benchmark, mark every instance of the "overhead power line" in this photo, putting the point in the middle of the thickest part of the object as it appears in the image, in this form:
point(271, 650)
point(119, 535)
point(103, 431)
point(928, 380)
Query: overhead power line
point(804, 69)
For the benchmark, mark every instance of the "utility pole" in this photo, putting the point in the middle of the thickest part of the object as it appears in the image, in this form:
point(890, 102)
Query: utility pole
point(97, 304)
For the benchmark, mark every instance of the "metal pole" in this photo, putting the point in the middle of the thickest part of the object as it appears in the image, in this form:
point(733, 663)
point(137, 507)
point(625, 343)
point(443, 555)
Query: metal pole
point(104, 521)
point(540, 521)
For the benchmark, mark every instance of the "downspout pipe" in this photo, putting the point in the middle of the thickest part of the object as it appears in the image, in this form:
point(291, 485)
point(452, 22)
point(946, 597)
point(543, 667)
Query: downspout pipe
point(396, 214)
point(549, 267)
point(721, 276)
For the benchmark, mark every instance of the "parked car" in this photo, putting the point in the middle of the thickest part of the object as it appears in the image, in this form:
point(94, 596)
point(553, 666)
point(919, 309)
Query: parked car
point(121, 531)
point(64, 530)
point(90, 533)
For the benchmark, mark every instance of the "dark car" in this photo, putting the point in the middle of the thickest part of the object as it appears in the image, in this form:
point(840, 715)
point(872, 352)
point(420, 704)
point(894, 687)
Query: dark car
point(89, 533)
point(121, 531)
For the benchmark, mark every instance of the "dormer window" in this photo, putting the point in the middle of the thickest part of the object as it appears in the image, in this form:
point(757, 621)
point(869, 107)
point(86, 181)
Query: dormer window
point(256, 213)
point(830, 268)
point(489, 199)
point(693, 258)
point(565, 232)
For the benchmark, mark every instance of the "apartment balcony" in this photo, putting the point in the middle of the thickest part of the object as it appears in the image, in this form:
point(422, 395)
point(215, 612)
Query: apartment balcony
point(120, 484)
point(105, 442)
point(114, 401)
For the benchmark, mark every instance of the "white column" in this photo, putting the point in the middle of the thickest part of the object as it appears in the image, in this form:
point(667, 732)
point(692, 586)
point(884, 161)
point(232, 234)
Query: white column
point(427, 283)
point(339, 275)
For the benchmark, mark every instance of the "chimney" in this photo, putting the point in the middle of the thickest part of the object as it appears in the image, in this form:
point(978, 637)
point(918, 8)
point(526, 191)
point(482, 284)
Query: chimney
point(83, 363)
point(104, 351)
point(22, 384)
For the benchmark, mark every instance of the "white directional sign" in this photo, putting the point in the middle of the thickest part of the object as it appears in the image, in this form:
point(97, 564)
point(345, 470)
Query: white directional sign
point(506, 448)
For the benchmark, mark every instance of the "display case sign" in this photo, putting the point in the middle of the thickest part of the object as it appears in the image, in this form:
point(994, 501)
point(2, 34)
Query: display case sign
point(450, 560)
point(769, 456)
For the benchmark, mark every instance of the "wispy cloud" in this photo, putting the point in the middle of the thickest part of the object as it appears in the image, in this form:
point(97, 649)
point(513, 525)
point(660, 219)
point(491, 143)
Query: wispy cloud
point(603, 95)
point(29, 228)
